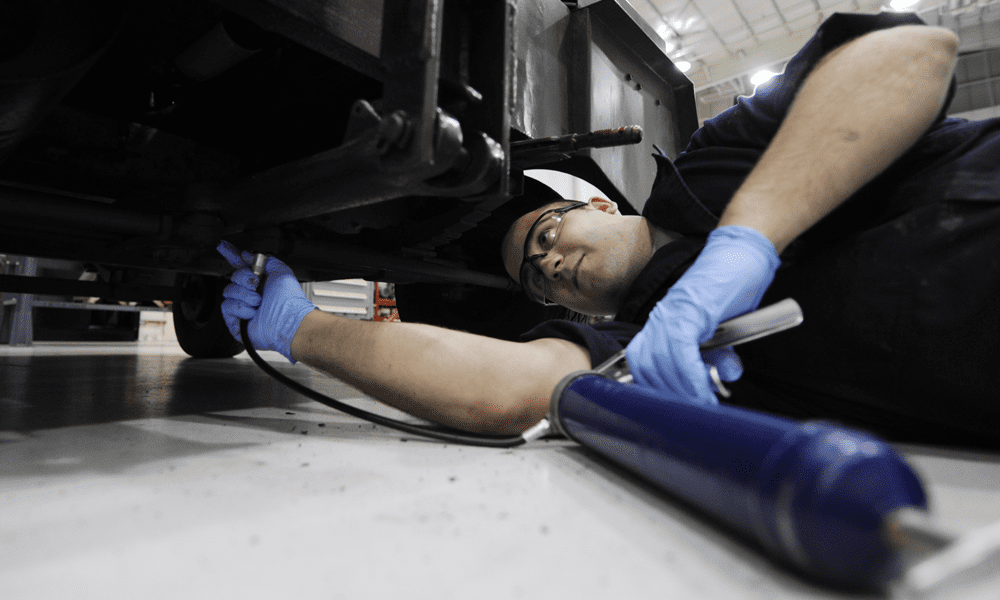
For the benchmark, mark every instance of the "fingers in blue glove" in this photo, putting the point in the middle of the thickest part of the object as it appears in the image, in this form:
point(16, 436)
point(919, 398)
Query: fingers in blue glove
point(245, 278)
point(275, 267)
point(234, 311)
point(690, 381)
point(697, 388)
point(242, 294)
point(729, 365)
point(239, 310)
point(233, 255)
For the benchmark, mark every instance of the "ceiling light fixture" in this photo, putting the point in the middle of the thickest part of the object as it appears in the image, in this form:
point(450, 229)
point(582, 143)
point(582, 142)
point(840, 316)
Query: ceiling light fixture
point(902, 4)
point(683, 66)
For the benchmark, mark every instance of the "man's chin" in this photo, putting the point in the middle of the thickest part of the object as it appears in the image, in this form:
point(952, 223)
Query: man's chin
point(593, 309)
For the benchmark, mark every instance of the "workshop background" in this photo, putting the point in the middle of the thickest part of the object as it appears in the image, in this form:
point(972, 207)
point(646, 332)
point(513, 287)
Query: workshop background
point(130, 470)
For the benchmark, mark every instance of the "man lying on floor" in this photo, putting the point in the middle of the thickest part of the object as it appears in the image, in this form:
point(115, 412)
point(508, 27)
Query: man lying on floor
point(840, 184)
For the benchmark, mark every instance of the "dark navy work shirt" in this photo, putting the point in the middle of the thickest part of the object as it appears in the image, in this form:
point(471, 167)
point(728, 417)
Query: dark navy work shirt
point(900, 285)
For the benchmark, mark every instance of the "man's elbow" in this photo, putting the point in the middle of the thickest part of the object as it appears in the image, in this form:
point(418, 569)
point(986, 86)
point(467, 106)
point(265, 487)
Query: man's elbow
point(942, 45)
point(519, 398)
point(510, 415)
point(933, 49)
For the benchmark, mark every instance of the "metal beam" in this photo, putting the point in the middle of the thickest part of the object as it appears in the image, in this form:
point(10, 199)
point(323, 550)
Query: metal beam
point(745, 22)
point(107, 307)
point(781, 16)
point(48, 286)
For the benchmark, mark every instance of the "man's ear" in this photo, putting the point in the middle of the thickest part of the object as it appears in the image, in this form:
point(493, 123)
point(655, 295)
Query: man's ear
point(604, 205)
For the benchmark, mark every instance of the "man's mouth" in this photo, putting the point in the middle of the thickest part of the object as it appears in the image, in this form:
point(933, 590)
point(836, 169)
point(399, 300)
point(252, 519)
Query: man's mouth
point(576, 273)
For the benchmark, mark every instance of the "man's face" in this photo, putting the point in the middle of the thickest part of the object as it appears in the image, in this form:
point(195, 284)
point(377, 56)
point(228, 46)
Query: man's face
point(591, 254)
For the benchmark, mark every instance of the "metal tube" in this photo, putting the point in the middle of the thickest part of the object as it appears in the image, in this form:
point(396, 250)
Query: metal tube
point(366, 169)
point(353, 256)
point(46, 207)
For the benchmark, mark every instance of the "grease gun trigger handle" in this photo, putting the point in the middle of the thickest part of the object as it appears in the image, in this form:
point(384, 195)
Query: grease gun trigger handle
point(615, 368)
point(757, 324)
point(744, 328)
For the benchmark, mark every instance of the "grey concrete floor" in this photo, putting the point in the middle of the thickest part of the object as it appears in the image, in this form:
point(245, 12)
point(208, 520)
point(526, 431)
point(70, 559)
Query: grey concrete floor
point(130, 471)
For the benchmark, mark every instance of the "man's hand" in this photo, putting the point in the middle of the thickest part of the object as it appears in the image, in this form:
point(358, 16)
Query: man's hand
point(728, 279)
point(276, 317)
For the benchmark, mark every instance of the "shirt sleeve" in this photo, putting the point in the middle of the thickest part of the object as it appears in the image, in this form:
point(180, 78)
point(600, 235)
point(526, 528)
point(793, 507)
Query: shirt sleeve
point(601, 340)
point(754, 120)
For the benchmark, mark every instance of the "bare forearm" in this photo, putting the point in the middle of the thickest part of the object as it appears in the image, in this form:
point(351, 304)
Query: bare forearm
point(450, 377)
point(859, 110)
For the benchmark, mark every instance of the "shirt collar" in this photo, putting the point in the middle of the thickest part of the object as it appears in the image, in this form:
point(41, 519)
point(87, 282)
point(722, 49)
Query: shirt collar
point(672, 205)
point(663, 269)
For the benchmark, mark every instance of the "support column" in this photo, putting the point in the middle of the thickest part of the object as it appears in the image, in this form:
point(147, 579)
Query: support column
point(21, 332)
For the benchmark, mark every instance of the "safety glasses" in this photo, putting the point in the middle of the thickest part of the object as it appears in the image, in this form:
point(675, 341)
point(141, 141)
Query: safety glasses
point(541, 238)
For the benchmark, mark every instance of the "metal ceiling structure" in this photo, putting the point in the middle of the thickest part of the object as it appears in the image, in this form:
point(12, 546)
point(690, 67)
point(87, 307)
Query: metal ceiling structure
point(727, 41)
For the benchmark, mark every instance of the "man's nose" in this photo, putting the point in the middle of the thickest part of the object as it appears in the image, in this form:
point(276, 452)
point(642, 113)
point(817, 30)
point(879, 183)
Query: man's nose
point(552, 265)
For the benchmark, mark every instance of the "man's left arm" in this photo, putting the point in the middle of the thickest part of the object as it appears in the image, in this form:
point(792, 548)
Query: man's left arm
point(862, 107)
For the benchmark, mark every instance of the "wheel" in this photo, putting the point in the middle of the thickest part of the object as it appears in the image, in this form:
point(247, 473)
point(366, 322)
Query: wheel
point(484, 311)
point(201, 330)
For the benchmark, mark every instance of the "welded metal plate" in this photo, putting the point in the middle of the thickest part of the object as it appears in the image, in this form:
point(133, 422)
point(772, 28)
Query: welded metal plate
point(599, 68)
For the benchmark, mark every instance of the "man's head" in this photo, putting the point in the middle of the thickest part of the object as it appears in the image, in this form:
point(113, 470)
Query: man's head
point(583, 256)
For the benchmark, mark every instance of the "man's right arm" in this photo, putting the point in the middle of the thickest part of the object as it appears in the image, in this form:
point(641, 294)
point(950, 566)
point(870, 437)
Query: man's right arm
point(859, 109)
point(451, 377)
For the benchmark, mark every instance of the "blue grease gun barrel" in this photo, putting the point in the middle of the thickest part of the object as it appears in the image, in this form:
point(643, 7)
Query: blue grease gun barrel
point(814, 494)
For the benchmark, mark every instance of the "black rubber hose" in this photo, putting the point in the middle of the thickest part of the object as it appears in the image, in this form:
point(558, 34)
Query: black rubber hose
point(454, 436)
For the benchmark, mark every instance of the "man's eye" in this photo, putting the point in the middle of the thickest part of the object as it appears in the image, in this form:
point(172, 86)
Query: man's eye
point(546, 239)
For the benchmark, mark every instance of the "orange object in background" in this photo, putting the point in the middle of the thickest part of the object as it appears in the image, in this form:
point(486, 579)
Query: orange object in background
point(385, 303)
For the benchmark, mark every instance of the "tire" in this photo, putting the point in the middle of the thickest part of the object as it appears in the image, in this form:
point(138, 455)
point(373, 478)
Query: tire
point(484, 311)
point(201, 330)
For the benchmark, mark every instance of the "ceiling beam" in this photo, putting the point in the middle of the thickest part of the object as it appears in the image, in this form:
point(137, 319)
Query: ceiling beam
point(771, 52)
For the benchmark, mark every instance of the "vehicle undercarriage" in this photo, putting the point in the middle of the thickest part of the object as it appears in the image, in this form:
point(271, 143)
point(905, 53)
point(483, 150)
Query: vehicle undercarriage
point(349, 138)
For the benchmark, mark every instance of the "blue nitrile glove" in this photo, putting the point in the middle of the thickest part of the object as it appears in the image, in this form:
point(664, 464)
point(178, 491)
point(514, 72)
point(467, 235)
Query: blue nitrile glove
point(273, 325)
point(727, 279)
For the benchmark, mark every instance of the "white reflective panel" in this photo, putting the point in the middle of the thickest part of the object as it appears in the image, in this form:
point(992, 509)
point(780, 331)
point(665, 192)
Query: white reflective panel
point(567, 186)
